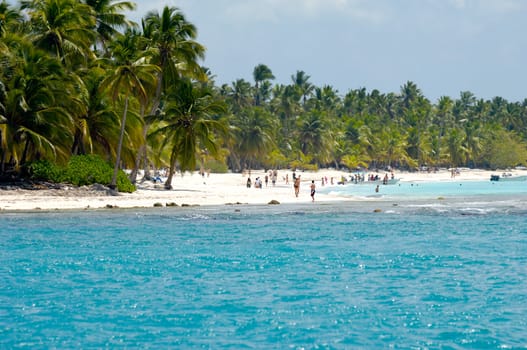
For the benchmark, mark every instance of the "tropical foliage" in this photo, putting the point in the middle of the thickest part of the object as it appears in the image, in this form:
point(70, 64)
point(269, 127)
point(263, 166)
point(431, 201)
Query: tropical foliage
point(79, 78)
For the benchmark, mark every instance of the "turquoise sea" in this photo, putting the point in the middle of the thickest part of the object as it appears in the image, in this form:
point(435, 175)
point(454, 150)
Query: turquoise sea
point(423, 273)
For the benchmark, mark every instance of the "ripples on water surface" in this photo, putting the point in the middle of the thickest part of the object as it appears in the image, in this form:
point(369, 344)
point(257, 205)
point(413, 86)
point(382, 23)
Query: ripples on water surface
point(416, 189)
point(322, 277)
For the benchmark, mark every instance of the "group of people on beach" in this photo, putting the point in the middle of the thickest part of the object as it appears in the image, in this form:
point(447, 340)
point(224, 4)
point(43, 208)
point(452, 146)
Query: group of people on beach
point(296, 186)
point(273, 174)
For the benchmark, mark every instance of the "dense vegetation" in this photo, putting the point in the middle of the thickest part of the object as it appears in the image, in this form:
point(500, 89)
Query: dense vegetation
point(78, 78)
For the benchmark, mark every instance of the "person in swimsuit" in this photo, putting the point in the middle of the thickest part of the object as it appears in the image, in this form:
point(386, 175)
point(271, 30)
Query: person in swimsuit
point(313, 189)
point(296, 186)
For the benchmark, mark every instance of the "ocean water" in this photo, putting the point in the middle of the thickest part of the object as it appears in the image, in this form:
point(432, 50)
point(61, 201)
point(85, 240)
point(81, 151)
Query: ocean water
point(418, 274)
point(424, 190)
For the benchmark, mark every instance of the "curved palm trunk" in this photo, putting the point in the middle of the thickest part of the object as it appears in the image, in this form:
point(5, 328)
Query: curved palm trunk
point(2, 164)
point(141, 151)
point(113, 184)
point(141, 154)
point(171, 171)
point(146, 168)
point(24, 153)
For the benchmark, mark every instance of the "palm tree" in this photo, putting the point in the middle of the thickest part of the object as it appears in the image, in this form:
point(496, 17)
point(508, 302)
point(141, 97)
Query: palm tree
point(98, 126)
point(254, 134)
point(127, 79)
point(301, 81)
point(462, 109)
point(62, 27)
point(240, 94)
point(265, 91)
point(392, 150)
point(174, 49)
point(285, 106)
point(171, 40)
point(37, 115)
point(261, 73)
point(326, 98)
point(313, 136)
point(456, 146)
point(109, 17)
point(188, 125)
point(410, 93)
point(8, 17)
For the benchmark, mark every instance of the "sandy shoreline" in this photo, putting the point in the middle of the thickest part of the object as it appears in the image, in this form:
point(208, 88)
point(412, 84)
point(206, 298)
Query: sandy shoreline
point(216, 189)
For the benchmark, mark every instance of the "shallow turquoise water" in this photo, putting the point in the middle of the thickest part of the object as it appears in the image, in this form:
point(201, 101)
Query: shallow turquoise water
point(325, 276)
point(416, 190)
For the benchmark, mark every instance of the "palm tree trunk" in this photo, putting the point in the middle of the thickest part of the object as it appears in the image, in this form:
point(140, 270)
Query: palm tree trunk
point(168, 183)
point(25, 152)
point(154, 110)
point(2, 164)
point(113, 184)
point(135, 170)
point(137, 164)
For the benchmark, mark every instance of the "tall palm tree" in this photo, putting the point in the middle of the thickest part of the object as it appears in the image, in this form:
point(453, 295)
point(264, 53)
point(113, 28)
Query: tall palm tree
point(301, 81)
point(240, 94)
point(410, 93)
point(8, 17)
point(254, 134)
point(265, 91)
point(109, 18)
point(327, 98)
point(313, 135)
point(285, 105)
point(393, 148)
point(37, 107)
point(261, 73)
point(174, 48)
point(188, 124)
point(99, 125)
point(175, 51)
point(65, 28)
point(127, 79)
point(456, 146)
point(463, 106)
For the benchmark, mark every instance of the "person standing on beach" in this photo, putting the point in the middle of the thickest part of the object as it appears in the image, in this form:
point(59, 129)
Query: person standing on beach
point(313, 190)
point(296, 185)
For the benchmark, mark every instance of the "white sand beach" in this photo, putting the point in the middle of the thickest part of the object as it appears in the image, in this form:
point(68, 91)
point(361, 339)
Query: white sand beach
point(216, 189)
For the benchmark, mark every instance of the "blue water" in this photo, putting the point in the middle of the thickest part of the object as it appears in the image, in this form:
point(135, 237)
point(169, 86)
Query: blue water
point(423, 274)
point(452, 188)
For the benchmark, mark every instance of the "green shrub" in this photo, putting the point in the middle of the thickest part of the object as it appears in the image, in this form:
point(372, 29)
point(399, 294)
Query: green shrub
point(87, 170)
point(45, 171)
point(80, 171)
point(123, 183)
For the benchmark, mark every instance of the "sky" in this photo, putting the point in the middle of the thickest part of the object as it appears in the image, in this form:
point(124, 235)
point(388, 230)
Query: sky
point(443, 46)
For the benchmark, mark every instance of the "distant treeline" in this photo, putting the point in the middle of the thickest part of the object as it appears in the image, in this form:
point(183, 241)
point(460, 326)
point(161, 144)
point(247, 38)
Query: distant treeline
point(78, 77)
